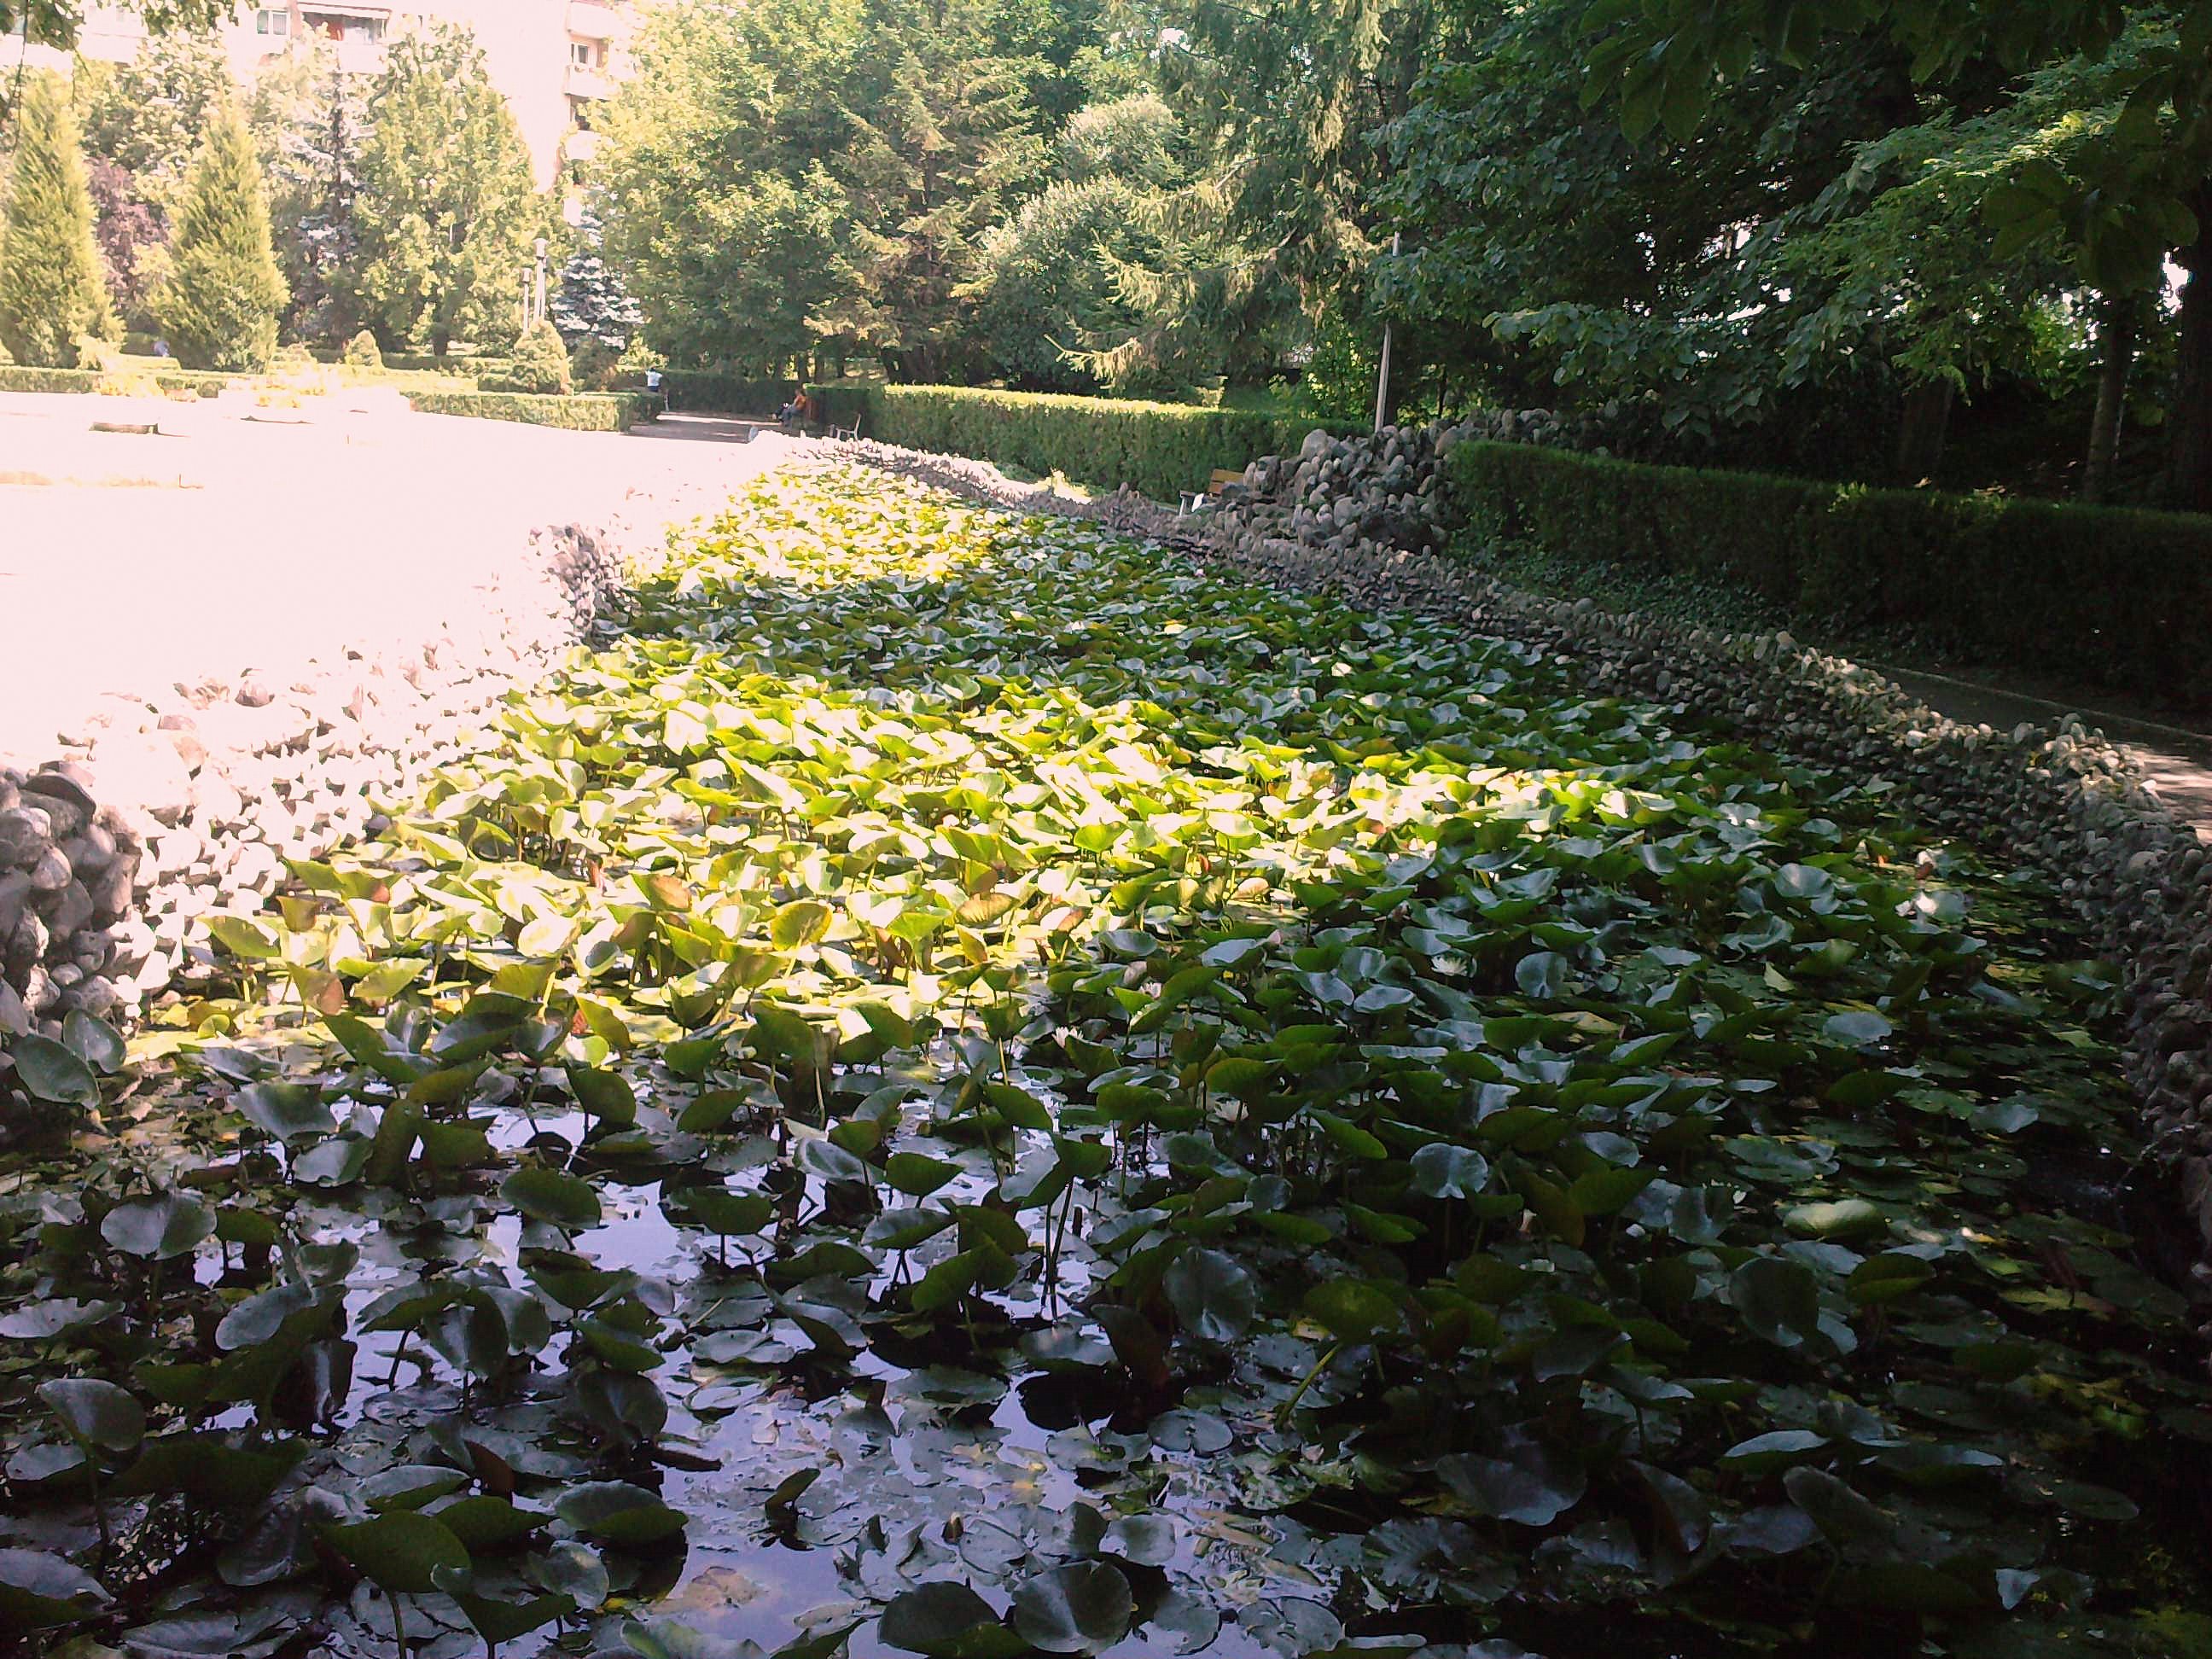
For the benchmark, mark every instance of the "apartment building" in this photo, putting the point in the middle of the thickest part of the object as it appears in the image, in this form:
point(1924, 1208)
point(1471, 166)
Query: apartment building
point(554, 59)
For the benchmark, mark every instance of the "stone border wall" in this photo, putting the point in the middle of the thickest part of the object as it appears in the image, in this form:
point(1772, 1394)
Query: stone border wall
point(2062, 801)
point(164, 811)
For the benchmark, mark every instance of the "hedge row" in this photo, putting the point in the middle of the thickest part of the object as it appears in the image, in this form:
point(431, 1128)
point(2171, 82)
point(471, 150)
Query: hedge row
point(586, 411)
point(725, 394)
point(2108, 596)
point(1161, 449)
point(16, 377)
point(421, 362)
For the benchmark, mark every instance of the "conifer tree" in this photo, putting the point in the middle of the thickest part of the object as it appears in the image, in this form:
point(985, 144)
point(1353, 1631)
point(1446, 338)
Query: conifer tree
point(51, 291)
point(224, 294)
point(592, 303)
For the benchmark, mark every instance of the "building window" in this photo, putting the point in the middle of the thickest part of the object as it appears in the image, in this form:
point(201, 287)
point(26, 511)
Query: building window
point(584, 54)
point(340, 27)
point(269, 21)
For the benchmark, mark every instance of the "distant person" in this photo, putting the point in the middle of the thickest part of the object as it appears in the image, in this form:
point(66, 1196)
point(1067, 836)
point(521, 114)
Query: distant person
point(653, 379)
point(160, 347)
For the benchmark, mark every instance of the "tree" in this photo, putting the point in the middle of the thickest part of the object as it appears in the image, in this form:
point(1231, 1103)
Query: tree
point(312, 159)
point(1054, 294)
point(591, 301)
point(947, 141)
point(446, 210)
point(1549, 258)
point(131, 234)
point(55, 23)
point(2119, 207)
point(1281, 98)
point(51, 291)
point(220, 304)
point(720, 195)
point(813, 178)
point(150, 115)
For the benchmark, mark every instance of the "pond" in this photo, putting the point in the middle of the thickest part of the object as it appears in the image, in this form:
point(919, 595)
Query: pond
point(966, 1087)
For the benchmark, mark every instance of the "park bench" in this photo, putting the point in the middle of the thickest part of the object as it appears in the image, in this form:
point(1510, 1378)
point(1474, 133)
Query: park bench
point(1219, 485)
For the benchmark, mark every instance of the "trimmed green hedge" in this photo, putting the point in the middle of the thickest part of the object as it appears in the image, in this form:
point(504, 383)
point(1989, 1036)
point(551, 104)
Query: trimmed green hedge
point(847, 405)
point(2109, 596)
point(419, 362)
point(14, 377)
point(587, 412)
point(1162, 449)
point(724, 394)
point(17, 377)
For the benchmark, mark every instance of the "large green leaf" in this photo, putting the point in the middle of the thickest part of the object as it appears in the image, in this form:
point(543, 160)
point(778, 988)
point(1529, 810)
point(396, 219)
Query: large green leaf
point(564, 1201)
point(401, 1551)
point(53, 1072)
point(167, 1225)
point(39, 1590)
point(1084, 1607)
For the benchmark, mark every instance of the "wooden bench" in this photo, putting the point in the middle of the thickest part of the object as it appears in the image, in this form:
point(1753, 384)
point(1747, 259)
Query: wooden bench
point(1223, 478)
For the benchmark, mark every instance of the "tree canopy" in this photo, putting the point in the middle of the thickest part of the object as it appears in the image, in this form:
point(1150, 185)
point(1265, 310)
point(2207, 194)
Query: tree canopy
point(445, 210)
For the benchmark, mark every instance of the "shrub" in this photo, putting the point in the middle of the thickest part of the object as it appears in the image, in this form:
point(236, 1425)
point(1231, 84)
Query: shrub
point(27, 377)
point(361, 352)
point(596, 366)
point(51, 290)
point(2112, 597)
point(724, 394)
point(221, 301)
point(539, 365)
point(616, 411)
point(1161, 449)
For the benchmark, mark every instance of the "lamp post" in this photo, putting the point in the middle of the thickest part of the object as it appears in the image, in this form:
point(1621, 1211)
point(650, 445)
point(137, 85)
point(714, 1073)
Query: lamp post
point(1382, 369)
point(537, 310)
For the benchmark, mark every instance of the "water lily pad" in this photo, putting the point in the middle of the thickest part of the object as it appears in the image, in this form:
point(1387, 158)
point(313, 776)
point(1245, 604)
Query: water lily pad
point(1081, 1607)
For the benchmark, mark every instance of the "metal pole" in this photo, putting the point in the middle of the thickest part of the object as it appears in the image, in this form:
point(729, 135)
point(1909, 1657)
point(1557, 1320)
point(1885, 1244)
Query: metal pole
point(1382, 370)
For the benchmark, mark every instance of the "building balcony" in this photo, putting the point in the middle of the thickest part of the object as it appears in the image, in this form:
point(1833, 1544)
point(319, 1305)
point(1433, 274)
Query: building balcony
point(583, 145)
point(588, 20)
point(589, 83)
point(360, 57)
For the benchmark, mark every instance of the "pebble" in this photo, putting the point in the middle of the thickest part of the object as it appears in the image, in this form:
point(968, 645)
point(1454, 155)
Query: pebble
point(112, 856)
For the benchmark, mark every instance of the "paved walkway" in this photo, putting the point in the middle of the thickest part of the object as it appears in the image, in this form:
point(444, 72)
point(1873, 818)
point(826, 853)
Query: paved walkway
point(2177, 759)
point(130, 562)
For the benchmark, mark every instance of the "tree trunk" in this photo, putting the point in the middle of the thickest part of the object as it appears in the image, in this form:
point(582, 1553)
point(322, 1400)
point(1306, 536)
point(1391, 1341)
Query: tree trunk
point(1920, 438)
point(2115, 341)
point(2188, 484)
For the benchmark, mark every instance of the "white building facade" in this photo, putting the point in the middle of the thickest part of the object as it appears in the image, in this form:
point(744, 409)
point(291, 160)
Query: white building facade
point(554, 60)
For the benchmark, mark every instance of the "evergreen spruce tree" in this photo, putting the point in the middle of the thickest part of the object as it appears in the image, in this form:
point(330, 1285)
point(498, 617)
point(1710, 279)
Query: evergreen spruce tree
point(220, 305)
point(51, 291)
point(592, 303)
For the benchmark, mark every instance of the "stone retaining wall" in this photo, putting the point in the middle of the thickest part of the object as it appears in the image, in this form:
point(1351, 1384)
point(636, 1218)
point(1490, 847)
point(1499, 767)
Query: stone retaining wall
point(162, 811)
point(2062, 801)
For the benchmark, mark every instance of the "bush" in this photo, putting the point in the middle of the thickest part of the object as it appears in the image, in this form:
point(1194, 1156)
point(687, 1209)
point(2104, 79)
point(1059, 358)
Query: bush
point(597, 367)
point(25, 377)
point(218, 307)
point(1161, 449)
point(539, 365)
point(2112, 597)
point(52, 293)
point(845, 404)
point(616, 411)
point(131, 381)
point(725, 394)
point(361, 352)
